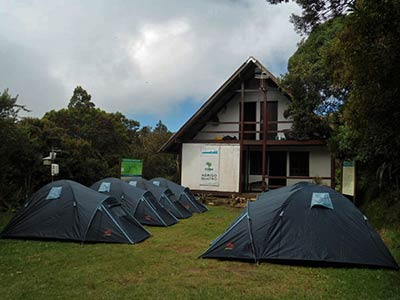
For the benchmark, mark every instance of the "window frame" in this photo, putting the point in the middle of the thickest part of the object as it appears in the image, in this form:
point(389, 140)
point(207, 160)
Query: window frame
point(251, 165)
point(295, 167)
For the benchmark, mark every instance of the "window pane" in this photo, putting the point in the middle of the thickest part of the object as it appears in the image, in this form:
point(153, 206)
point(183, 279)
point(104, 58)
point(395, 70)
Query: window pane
point(255, 162)
point(54, 193)
point(321, 199)
point(299, 163)
point(104, 187)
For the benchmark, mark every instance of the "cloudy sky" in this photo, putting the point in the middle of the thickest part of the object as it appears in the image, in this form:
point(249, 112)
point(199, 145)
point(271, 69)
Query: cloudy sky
point(148, 59)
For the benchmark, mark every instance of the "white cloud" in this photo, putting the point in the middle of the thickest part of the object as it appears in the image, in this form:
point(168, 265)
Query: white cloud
point(134, 56)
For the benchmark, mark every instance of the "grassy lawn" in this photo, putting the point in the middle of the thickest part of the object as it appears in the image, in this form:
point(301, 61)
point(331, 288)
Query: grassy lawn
point(165, 266)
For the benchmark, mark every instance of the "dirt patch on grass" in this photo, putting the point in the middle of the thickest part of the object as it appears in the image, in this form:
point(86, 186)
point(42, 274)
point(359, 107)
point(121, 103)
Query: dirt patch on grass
point(384, 236)
point(194, 270)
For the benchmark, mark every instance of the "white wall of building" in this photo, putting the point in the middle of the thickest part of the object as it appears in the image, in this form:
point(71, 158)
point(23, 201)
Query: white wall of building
point(229, 165)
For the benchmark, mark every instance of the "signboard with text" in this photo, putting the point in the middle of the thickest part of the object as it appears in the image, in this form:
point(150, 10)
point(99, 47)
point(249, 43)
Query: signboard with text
point(131, 167)
point(348, 178)
point(209, 159)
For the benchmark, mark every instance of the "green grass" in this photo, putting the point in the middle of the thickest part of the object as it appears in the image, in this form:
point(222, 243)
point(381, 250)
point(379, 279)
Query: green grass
point(166, 266)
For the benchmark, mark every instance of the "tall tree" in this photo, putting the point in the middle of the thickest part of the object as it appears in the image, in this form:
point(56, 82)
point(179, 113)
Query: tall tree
point(316, 12)
point(80, 99)
point(370, 56)
point(361, 59)
point(156, 164)
point(310, 80)
point(16, 154)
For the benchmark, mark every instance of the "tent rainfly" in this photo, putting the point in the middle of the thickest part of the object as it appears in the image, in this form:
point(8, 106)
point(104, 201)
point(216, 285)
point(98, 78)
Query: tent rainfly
point(183, 194)
point(303, 224)
point(67, 210)
point(164, 196)
point(140, 203)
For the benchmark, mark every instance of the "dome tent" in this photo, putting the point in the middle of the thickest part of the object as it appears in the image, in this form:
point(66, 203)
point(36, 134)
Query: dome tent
point(183, 194)
point(141, 203)
point(67, 210)
point(164, 196)
point(304, 223)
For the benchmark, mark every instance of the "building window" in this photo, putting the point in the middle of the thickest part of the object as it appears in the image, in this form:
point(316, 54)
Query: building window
point(299, 163)
point(255, 163)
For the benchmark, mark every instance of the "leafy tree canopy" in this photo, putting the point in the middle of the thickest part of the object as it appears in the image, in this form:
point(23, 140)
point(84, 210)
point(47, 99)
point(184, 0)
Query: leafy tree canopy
point(354, 60)
point(315, 12)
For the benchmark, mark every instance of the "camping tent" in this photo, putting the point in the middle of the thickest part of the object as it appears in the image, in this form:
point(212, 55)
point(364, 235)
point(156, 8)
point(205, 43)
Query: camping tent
point(140, 203)
point(67, 210)
point(304, 223)
point(183, 194)
point(164, 196)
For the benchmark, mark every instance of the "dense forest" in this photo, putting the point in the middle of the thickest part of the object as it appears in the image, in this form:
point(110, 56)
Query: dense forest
point(344, 79)
point(91, 143)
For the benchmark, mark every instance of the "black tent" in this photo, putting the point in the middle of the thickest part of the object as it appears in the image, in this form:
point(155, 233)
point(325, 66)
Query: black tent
point(183, 194)
point(164, 196)
point(140, 203)
point(306, 224)
point(67, 210)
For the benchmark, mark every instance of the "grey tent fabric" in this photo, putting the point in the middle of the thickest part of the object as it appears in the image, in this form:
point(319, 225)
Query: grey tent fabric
point(183, 194)
point(77, 214)
point(139, 202)
point(164, 196)
point(283, 226)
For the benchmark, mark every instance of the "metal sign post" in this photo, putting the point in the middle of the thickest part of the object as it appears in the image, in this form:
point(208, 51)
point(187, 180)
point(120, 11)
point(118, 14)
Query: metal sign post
point(48, 161)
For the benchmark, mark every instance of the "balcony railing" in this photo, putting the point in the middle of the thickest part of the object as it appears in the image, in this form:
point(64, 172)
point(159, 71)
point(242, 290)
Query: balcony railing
point(254, 134)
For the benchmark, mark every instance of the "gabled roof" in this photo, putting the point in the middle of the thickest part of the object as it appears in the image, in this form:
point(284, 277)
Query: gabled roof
point(217, 100)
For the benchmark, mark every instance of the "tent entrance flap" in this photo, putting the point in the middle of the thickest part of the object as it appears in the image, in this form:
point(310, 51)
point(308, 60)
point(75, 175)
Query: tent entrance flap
point(235, 243)
point(116, 224)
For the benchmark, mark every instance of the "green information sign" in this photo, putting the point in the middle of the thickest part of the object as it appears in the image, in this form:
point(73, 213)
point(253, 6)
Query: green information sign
point(131, 167)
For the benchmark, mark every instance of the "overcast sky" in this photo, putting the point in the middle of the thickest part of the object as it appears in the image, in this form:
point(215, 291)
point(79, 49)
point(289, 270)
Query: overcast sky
point(148, 59)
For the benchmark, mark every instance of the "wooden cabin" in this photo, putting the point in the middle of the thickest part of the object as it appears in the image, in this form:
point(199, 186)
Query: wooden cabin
point(228, 146)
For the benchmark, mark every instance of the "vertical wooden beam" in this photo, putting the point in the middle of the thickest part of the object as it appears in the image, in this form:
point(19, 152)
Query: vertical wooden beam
point(119, 168)
point(265, 131)
point(241, 124)
point(179, 165)
point(333, 171)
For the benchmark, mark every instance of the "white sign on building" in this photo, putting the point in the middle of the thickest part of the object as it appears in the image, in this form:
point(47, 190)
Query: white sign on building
point(209, 159)
point(348, 178)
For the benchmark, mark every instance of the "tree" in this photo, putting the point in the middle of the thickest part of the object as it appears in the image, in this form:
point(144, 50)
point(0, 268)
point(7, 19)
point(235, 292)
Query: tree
point(361, 62)
point(369, 52)
point(17, 154)
point(156, 164)
point(315, 96)
point(92, 141)
point(316, 12)
point(80, 99)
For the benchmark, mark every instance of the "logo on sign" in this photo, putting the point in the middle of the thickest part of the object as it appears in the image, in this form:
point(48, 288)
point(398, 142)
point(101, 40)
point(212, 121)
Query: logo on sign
point(209, 166)
point(229, 246)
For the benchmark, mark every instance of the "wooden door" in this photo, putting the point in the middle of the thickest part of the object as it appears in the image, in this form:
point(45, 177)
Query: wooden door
point(272, 116)
point(277, 164)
